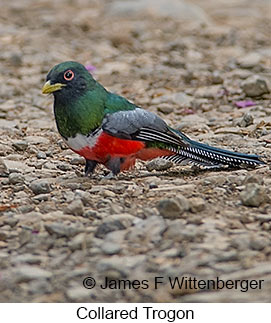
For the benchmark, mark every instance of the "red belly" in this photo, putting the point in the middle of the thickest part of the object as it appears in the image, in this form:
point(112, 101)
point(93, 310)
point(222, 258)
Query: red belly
point(109, 147)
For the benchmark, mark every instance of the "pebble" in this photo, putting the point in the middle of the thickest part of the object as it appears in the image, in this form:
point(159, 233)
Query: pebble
point(108, 193)
point(158, 164)
point(63, 230)
point(217, 78)
point(178, 98)
point(179, 231)
point(14, 165)
point(253, 195)
point(76, 208)
point(41, 197)
point(16, 178)
point(78, 160)
point(36, 140)
point(3, 168)
point(26, 273)
point(64, 166)
point(165, 108)
point(208, 92)
point(107, 227)
point(253, 178)
point(11, 221)
point(78, 293)
point(20, 145)
point(125, 219)
point(246, 121)
point(40, 186)
point(197, 204)
point(78, 242)
point(41, 155)
point(255, 86)
point(250, 60)
point(259, 243)
point(170, 208)
point(3, 235)
point(148, 230)
point(84, 196)
point(111, 248)
point(122, 264)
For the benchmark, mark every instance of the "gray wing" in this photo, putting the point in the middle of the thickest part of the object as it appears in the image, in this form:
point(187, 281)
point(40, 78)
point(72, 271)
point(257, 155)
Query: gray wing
point(142, 125)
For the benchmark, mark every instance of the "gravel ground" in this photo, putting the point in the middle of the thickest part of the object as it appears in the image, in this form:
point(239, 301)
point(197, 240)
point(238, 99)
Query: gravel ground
point(204, 66)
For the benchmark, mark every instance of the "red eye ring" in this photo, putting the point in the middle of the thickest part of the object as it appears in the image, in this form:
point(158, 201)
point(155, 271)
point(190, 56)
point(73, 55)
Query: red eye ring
point(68, 75)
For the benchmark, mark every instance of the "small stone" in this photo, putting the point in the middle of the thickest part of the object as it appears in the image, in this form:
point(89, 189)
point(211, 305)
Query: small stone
point(63, 166)
point(63, 230)
point(36, 140)
point(105, 228)
point(259, 243)
point(77, 293)
point(179, 98)
point(158, 164)
point(108, 193)
point(11, 221)
point(225, 108)
point(217, 78)
point(119, 189)
point(78, 242)
point(27, 273)
point(3, 235)
point(111, 248)
point(246, 121)
point(165, 108)
point(178, 230)
point(253, 178)
point(41, 155)
point(197, 204)
point(173, 208)
point(16, 178)
point(40, 186)
point(16, 59)
point(78, 160)
point(122, 264)
point(153, 185)
point(14, 165)
point(76, 207)
point(255, 86)
point(253, 195)
point(208, 92)
point(41, 197)
point(3, 168)
point(250, 60)
point(84, 196)
point(20, 145)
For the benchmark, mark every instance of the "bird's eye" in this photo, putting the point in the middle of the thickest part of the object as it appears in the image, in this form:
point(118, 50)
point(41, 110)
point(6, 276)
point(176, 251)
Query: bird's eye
point(68, 75)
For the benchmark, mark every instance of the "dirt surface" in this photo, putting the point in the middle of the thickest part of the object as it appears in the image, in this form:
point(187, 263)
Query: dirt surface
point(192, 67)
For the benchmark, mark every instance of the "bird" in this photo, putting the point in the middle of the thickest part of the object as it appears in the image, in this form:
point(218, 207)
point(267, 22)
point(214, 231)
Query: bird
point(106, 128)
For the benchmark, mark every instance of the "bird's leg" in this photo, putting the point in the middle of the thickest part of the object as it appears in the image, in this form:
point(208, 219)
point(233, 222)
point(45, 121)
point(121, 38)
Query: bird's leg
point(90, 166)
point(114, 164)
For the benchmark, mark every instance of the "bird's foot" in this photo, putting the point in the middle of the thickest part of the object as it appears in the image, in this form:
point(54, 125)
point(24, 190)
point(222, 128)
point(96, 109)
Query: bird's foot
point(110, 175)
point(90, 166)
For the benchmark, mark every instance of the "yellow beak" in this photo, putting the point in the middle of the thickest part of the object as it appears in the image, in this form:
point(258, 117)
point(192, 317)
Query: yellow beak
point(50, 88)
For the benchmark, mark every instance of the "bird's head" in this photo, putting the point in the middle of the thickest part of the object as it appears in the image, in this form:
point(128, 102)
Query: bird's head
point(67, 81)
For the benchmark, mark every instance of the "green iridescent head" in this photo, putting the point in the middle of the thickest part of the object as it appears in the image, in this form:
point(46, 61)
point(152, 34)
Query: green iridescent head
point(68, 81)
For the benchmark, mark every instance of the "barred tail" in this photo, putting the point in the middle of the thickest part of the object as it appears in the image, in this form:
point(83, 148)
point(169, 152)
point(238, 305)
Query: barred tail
point(210, 157)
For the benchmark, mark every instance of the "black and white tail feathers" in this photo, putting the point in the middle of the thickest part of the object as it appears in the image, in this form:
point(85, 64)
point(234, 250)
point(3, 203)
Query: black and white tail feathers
point(209, 157)
point(142, 125)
